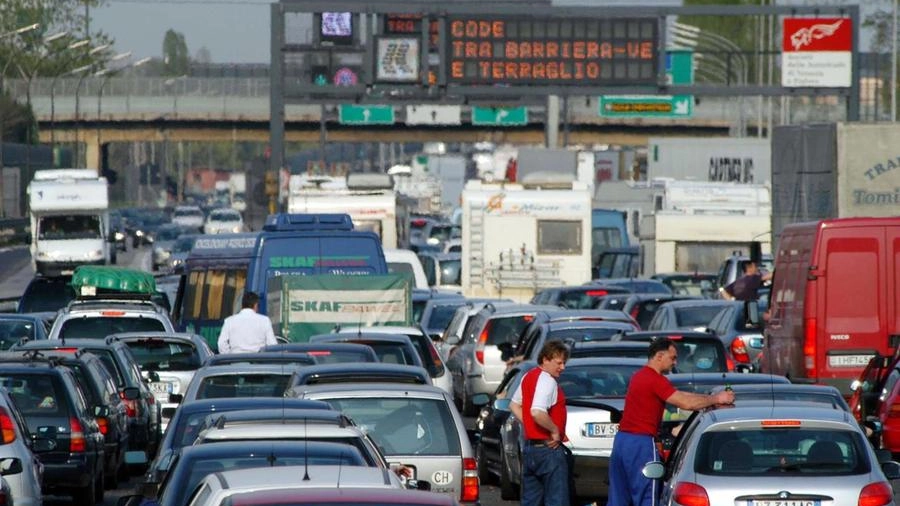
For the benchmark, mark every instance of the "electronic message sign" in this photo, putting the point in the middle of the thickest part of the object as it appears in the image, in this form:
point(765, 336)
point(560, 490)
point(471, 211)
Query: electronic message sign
point(516, 50)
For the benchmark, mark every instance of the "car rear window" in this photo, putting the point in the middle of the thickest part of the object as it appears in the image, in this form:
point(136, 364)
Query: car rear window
point(596, 380)
point(441, 315)
point(700, 355)
point(338, 357)
point(585, 334)
point(431, 359)
point(393, 353)
point(404, 426)
point(695, 316)
point(781, 451)
point(100, 327)
point(587, 298)
point(506, 329)
point(160, 355)
point(11, 331)
point(243, 385)
point(36, 394)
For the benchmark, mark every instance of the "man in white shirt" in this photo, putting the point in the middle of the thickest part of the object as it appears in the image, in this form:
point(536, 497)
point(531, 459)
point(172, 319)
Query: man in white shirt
point(247, 331)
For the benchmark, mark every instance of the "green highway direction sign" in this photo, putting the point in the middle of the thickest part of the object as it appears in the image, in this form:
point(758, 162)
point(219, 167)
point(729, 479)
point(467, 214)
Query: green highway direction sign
point(350, 114)
point(500, 116)
point(679, 70)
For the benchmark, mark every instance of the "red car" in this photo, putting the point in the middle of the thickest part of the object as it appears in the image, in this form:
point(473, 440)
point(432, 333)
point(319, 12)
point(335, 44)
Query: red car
point(876, 398)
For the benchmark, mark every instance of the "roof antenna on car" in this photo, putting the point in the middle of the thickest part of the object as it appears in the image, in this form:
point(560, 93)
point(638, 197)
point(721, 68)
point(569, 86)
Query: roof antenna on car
point(305, 452)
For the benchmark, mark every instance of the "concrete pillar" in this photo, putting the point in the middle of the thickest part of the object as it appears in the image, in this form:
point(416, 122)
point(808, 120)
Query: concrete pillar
point(91, 150)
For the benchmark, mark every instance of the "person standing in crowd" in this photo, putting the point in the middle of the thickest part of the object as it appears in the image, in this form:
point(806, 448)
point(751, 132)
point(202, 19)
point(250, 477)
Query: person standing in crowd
point(540, 405)
point(635, 443)
point(746, 287)
point(247, 331)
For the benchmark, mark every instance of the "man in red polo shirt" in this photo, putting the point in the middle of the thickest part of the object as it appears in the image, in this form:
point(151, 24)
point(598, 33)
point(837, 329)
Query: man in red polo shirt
point(539, 403)
point(635, 445)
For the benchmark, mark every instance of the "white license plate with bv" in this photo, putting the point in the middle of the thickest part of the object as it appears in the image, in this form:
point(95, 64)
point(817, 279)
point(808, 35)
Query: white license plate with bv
point(596, 429)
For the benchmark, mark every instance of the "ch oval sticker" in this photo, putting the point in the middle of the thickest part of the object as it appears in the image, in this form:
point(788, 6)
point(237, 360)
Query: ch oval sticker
point(442, 477)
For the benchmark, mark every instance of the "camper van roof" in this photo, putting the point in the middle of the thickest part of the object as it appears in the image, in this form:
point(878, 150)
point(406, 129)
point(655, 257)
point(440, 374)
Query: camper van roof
point(54, 174)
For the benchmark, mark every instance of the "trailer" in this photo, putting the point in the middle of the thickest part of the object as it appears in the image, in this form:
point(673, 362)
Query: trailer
point(519, 238)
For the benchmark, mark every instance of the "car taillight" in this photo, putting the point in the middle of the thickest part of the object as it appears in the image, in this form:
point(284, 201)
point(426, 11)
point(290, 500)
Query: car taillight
point(470, 481)
point(894, 412)
point(130, 405)
point(739, 350)
point(482, 340)
point(103, 423)
point(76, 436)
point(876, 494)
point(729, 363)
point(690, 494)
point(7, 428)
point(634, 312)
point(809, 347)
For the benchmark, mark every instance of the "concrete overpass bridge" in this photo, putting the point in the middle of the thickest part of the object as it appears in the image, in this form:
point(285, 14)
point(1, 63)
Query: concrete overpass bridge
point(94, 111)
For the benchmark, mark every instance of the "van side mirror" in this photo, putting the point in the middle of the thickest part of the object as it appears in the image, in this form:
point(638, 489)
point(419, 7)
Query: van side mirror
point(101, 411)
point(10, 466)
point(131, 393)
point(506, 351)
point(751, 309)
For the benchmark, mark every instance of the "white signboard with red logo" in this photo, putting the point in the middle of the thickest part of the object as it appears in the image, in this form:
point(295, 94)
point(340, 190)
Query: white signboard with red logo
point(817, 52)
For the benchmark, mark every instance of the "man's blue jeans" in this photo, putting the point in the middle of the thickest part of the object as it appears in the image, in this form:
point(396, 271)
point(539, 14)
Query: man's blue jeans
point(545, 476)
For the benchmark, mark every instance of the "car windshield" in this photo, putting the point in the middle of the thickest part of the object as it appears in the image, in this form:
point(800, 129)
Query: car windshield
point(100, 327)
point(596, 380)
point(69, 227)
point(188, 213)
point(159, 355)
point(798, 451)
point(224, 216)
point(183, 245)
point(441, 315)
point(243, 385)
point(168, 234)
point(690, 285)
point(407, 426)
point(695, 316)
point(11, 331)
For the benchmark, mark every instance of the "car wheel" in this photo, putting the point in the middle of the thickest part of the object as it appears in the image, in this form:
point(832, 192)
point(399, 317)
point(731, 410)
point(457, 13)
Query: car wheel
point(485, 476)
point(509, 491)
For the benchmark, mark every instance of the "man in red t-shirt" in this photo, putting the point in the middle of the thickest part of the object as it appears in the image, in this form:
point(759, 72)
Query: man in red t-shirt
point(539, 403)
point(634, 445)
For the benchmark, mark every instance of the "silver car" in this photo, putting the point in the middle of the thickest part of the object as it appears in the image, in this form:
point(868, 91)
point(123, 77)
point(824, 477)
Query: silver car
point(21, 470)
point(772, 453)
point(168, 360)
point(415, 425)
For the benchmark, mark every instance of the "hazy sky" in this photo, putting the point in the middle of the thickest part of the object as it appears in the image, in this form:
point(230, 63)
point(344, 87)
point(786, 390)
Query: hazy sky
point(234, 31)
point(237, 31)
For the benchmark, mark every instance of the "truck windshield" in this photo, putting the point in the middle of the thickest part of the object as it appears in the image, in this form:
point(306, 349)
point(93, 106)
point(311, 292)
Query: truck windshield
point(69, 227)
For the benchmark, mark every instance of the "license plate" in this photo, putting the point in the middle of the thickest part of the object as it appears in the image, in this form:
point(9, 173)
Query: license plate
point(161, 388)
point(784, 502)
point(594, 429)
point(849, 360)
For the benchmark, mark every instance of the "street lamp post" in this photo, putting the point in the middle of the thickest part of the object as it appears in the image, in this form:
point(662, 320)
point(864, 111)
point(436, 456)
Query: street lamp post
point(107, 74)
point(83, 71)
point(74, 45)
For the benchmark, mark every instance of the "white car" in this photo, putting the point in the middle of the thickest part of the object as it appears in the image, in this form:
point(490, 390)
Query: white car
point(224, 221)
point(189, 217)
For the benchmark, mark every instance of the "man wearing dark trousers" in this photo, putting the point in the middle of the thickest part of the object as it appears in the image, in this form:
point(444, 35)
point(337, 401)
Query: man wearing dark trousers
point(539, 403)
point(635, 443)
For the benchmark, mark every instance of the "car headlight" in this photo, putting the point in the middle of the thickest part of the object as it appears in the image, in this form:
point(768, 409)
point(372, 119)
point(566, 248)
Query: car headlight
point(236, 229)
point(120, 236)
point(164, 254)
point(139, 233)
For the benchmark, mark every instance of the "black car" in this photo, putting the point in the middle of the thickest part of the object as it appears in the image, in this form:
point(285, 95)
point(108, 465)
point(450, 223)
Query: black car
point(104, 401)
point(390, 348)
point(698, 352)
point(66, 433)
point(45, 294)
point(190, 417)
point(641, 306)
point(143, 412)
point(576, 297)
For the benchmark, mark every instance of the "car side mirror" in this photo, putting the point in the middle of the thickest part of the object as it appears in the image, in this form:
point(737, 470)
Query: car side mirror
point(480, 399)
point(653, 470)
point(10, 466)
point(506, 351)
point(101, 411)
point(435, 338)
point(131, 393)
point(502, 404)
point(454, 339)
point(176, 398)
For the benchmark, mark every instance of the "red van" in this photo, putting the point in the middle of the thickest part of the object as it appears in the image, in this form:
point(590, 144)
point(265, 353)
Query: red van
point(834, 301)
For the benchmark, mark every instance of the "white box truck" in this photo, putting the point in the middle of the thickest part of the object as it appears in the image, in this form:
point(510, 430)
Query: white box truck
point(69, 211)
point(519, 238)
point(367, 198)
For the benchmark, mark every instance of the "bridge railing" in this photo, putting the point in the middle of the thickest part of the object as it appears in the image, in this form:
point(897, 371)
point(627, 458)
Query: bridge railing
point(141, 86)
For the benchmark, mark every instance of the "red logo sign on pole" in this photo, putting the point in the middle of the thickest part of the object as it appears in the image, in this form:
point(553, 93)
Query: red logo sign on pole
point(817, 52)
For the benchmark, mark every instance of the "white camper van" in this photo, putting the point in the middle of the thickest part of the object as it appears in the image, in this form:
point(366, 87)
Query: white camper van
point(69, 220)
point(519, 238)
point(369, 199)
